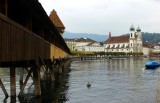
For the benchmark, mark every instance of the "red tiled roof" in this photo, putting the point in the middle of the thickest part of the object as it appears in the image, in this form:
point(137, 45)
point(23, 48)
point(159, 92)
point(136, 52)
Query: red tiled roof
point(157, 45)
point(56, 20)
point(117, 39)
point(148, 45)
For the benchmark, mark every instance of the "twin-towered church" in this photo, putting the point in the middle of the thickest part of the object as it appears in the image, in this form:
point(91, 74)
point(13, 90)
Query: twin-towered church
point(125, 43)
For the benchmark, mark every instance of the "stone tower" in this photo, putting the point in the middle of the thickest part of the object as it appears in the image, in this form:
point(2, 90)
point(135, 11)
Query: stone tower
point(132, 39)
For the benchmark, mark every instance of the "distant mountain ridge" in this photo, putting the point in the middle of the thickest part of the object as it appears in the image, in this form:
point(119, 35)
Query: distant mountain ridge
point(146, 37)
point(96, 37)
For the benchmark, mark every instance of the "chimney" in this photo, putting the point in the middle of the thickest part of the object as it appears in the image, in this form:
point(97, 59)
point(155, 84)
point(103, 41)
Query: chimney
point(109, 34)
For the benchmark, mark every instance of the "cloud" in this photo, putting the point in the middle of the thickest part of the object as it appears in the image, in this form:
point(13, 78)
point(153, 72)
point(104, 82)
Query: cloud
point(102, 16)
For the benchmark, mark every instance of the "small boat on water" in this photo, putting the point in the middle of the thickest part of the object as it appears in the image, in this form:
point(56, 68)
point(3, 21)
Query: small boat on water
point(152, 65)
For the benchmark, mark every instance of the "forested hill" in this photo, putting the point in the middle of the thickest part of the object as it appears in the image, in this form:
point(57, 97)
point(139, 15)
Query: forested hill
point(147, 37)
point(151, 37)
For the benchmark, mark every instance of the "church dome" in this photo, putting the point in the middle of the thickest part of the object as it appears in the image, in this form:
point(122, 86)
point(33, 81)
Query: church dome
point(138, 29)
point(132, 28)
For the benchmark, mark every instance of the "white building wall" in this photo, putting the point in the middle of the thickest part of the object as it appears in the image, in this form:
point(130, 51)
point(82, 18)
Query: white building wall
point(94, 48)
point(122, 47)
point(82, 43)
point(156, 49)
point(147, 51)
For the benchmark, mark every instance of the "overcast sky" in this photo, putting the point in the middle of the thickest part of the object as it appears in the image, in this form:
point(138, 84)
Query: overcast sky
point(103, 16)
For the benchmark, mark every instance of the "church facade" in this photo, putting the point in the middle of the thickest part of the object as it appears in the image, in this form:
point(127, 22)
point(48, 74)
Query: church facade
point(125, 43)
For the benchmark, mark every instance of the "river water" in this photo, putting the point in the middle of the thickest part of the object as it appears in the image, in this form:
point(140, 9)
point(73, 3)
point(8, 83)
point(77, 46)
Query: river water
point(112, 81)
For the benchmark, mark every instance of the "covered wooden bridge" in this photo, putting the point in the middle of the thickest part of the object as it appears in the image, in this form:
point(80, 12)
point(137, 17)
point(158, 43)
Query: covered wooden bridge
point(30, 40)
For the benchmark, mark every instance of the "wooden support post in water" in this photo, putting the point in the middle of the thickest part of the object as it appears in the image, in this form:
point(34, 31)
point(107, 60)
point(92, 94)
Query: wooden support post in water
point(25, 82)
point(52, 73)
point(21, 77)
point(36, 78)
point(28, 72)
point(59, 66)
point(3, 88)
point(51, 67)
point(13, 81)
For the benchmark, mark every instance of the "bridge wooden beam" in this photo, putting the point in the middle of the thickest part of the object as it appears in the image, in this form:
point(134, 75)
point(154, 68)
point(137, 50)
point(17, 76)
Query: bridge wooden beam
point(36, 78)
point(25, 82)
point(13, 81)
point(28, 71)
point(59, 65)
point(52, 71)
point(3, 88)
point(21, 77)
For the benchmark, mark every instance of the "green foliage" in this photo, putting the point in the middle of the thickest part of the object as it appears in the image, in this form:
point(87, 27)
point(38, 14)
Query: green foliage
point(115, 53)
point(123, 54)
point(151, 37)
point(99, 53)
point(135, 54)
point(155, 53)
point(82, 53)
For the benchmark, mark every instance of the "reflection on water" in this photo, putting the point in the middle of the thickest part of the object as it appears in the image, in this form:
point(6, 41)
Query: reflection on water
point(112, 81)
point(52, 92)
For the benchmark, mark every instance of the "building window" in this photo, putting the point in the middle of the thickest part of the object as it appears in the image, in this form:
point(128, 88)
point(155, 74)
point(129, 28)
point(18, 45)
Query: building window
point(131, 34)
point(131, 44)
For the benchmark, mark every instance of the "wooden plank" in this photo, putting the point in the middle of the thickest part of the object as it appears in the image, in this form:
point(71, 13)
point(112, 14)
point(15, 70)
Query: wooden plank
point(4, 46)
point(12, 43)
point(8, 41)
point(6, 7)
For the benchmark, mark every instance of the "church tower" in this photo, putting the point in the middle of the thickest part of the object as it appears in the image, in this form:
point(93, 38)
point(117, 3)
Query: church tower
point(139, 39)
point(139, 34)
point(132, 32)
point(132, 39)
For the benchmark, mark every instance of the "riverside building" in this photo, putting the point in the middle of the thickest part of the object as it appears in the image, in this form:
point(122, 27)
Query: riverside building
point(125, 43)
